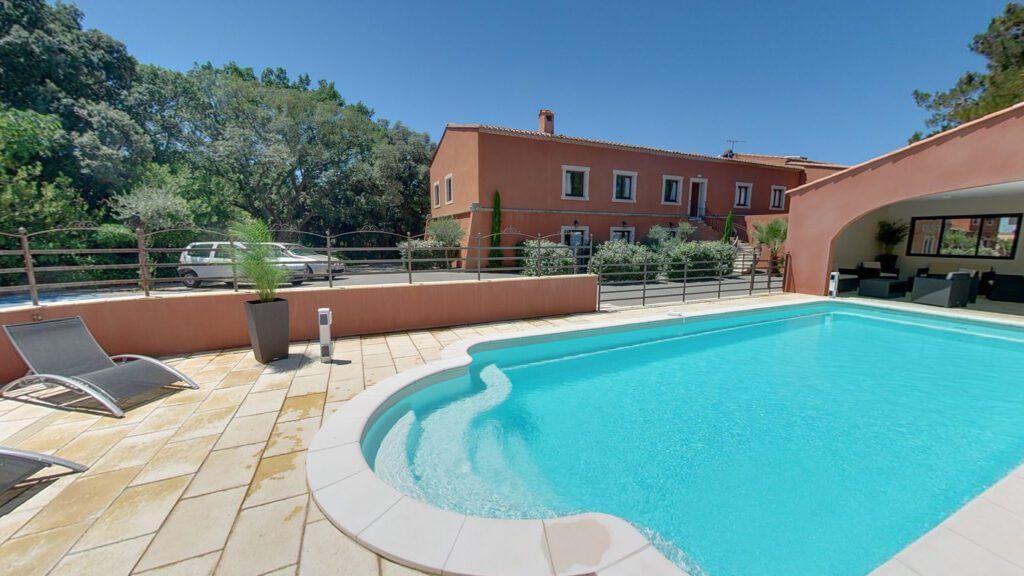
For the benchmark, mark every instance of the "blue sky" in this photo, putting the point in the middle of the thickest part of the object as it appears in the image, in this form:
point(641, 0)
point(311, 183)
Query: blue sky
point(828, 80)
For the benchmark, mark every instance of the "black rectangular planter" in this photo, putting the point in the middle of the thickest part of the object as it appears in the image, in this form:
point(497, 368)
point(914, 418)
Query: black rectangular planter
point(268, 329)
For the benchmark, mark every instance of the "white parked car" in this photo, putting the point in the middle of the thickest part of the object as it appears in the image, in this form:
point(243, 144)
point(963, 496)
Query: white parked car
point(211, 262)
point(316, 262)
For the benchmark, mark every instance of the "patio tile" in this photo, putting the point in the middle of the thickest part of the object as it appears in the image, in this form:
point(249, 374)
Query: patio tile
point(88, 447)
point(112, 560)
point(522, 549)
point(226, 469)
point(196, 526)
point(198, 566)
point(176, 459)
point(189, 395)
point(133, 416)
point(299, 407)
point(373, 375)
point(38, 553)
point(388, 568)
point(324, 547)
point(131, 451)
point(590, 542)
point(292, 436)
point(264, 538)
point(224, 398)
point(138, 510)
point(893, 568)
point(1008, 493)
point(269, 381)
point(943, 552)
point(378, 360)
point(312, 384)
point(204, 424)
point(54, 437)
point(276, 478)
point(412, 530)
point(83, 499)
point(14, 520)
point(357, 501)
point(341, 390)
point(240, 378)
point(402, 364)
point(247, 430)
point(262, 402)
point(648, 562)
point(10, 428)
point(1000, 530)
point(164, 418)
point(313, 513)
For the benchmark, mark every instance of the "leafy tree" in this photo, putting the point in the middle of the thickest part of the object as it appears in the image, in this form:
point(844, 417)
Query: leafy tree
point(27, 198)
point(50, 65)
point(976, 94)
point(154, 208)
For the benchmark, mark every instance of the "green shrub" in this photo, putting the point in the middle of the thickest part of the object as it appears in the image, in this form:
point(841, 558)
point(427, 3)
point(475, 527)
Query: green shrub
point(425, 249)
point(660, 237)
point(545, 258)
point(621, 261)
point(707, 259)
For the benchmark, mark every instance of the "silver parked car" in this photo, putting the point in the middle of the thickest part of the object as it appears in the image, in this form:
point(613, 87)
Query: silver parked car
point(211, 262)
point(316, 262)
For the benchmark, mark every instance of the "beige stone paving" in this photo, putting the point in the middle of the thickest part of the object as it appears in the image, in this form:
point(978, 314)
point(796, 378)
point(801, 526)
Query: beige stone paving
point(212, 481)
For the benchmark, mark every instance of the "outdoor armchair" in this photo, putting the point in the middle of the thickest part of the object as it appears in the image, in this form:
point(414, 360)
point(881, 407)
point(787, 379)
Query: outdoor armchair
point(953, 291)
point(1007, 288)
point(64, 353)
point(17, 465)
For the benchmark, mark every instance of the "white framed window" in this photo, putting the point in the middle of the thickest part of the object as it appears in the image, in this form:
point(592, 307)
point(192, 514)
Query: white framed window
point(624, 233)
point(573, 236)
point(743, 193)
point(449, 193)
point(437, 194)
point(671, 189)
point(623, 186)
point(575, 182)
point(778, 201)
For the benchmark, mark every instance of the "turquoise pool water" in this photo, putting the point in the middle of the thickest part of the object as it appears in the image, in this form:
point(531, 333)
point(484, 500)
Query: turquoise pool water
point(807, 440)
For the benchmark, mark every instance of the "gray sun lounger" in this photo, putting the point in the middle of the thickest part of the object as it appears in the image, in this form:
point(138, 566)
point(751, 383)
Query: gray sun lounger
point(17, 465)
point(63, 352)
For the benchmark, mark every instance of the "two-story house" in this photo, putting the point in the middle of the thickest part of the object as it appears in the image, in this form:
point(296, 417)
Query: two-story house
point(555, 185)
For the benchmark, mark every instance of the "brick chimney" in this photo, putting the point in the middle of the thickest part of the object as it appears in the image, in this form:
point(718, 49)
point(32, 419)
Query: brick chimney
point(546, 121)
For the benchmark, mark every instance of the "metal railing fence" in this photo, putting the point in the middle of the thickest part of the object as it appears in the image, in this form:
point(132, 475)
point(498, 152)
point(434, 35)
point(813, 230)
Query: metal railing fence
point(69, 259)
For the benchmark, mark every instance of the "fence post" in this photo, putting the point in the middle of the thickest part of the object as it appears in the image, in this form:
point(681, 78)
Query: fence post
point(478, 246)
point(234, 264)
point(330, 268)
point(718, 268)
point(30, 271)
point(771, 261)
point(686, 270)
point(643, 293)
point(537, 257)
point(408, 256)
point(599, 289)
point(140, 238)
point(753, 270)
point(785, 273)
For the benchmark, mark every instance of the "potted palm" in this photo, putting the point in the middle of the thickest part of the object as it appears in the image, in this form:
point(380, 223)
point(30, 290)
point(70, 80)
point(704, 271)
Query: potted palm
point(266, 317)
point(772, 235)
point(890, 234)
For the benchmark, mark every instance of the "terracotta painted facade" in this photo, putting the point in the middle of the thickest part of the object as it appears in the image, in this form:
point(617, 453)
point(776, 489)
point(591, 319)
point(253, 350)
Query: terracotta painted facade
point(976, 168)
point(529, 169)
point(216, 320)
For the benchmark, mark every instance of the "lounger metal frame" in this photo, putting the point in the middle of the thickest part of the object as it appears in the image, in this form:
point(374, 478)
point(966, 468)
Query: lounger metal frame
point(42, 459)
point(79, 384)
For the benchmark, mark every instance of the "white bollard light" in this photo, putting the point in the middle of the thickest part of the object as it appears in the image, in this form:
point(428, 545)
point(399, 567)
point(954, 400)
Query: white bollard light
point(323, 316)
point(833, 284)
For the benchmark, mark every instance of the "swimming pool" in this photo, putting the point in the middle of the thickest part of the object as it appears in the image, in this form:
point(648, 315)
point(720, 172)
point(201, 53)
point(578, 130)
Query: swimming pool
point(812, 439)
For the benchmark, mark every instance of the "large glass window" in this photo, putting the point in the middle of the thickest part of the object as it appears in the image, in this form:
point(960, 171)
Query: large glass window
point(575, 181)
point(625, 186)
point(981, 236)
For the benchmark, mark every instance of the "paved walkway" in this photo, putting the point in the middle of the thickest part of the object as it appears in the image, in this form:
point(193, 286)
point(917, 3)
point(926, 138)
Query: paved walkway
point(213, 480)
